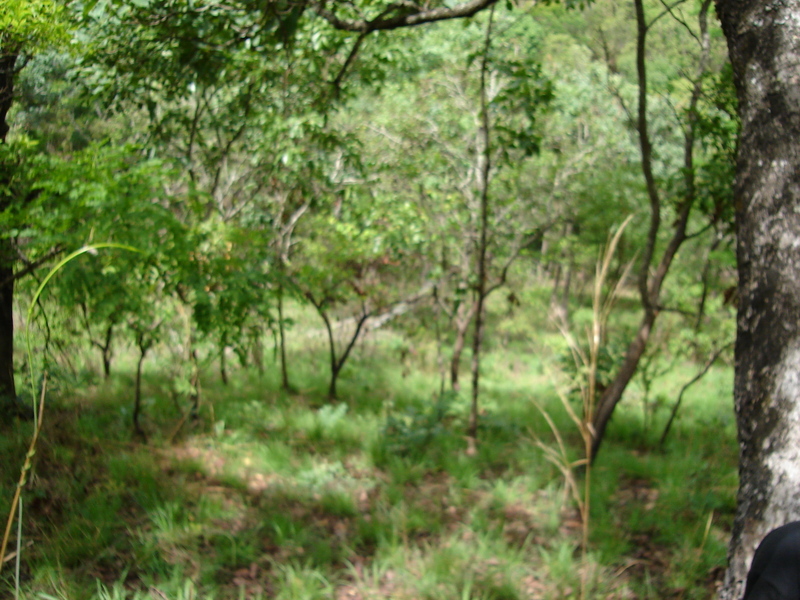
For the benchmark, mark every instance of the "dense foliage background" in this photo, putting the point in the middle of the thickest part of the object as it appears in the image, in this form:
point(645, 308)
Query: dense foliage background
point(355, 307)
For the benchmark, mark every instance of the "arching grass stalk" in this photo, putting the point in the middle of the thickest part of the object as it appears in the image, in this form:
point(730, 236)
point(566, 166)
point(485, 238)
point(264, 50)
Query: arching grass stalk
point(38, 408)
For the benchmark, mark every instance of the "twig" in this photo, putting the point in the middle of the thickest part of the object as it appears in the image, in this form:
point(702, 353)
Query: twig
point(686, 386)
point(13, 555)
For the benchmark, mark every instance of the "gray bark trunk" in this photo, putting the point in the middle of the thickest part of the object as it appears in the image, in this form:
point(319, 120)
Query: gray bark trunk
point(484, 167)
point(764, 45)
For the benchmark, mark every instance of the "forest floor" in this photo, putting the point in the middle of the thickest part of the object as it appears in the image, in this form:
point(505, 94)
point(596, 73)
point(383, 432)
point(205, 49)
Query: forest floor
point(375, 495)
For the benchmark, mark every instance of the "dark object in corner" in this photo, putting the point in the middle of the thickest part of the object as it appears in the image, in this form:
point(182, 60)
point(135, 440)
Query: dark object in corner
point(775, 572)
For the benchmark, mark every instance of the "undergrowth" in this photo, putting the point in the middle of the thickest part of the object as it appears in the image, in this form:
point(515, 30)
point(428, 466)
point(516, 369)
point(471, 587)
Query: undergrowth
point(272, 495)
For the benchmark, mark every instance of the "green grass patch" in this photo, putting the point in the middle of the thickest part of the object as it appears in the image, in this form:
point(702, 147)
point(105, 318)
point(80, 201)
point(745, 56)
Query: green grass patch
point(269, 494)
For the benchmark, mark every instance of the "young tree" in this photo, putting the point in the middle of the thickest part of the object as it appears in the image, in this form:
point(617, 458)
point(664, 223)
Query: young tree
point(436, 157)
point(354, 265)
point(655, 263)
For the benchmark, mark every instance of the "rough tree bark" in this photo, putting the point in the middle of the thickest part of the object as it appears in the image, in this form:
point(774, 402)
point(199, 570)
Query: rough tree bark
point(764, 46)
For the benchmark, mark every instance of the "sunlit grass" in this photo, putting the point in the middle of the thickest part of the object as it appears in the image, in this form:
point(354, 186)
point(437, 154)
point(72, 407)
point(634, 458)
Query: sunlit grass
point(276, 495)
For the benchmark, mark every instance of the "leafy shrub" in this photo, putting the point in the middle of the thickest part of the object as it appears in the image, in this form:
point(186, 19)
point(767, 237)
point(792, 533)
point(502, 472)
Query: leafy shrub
point(414, 432)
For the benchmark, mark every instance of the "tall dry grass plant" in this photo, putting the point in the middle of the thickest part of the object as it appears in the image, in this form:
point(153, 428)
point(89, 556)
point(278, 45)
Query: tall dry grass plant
point(586, 359)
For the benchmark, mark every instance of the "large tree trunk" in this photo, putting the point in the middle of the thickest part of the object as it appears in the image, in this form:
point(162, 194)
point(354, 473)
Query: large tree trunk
point(8, 60)
point(764, 44)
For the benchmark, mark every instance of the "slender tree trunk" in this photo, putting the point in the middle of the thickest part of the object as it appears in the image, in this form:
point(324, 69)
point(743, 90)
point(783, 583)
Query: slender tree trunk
point(439, 355)
point(285, 384)
point(191, 355)
point(8, 64)
point(464, 316)
point(107, 351)
point(351, 344)
point(285, 232)
point(556, 284)
point(8, 393)
point(223, 365)
point(137, 392)
point(7, 387)
point(559, 299)
point(562, 281)
point(337, 363)
point(332, 386)
point(613, 393)
point(455, 359)
point(704, 277)
point(484, 167)
point(565, 289)
point(764, 46)
point(334, 364)
point(194, 382)
point(258, 351)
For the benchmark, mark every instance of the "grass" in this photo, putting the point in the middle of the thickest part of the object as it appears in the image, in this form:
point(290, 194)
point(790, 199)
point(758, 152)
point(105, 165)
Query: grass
point(270, 495)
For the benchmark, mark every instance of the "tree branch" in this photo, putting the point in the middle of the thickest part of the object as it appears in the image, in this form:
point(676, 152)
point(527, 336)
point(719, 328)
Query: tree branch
point(337, 82)
point(712, 359)
point(30, 267)
point(359, 324)
point(409, 19)
point(646, 150)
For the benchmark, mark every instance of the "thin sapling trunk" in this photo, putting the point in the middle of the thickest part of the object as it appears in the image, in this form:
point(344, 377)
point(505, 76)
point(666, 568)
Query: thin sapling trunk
point(285, 384)
point(144, 341)
point(463, 318)
point(337, 362)
point(483, 170)
point(223, 362)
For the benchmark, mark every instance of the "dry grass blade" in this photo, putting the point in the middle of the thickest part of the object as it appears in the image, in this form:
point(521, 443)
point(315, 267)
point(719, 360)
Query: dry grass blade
point(553, 428)
point(587, 364)
point(23, 476)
